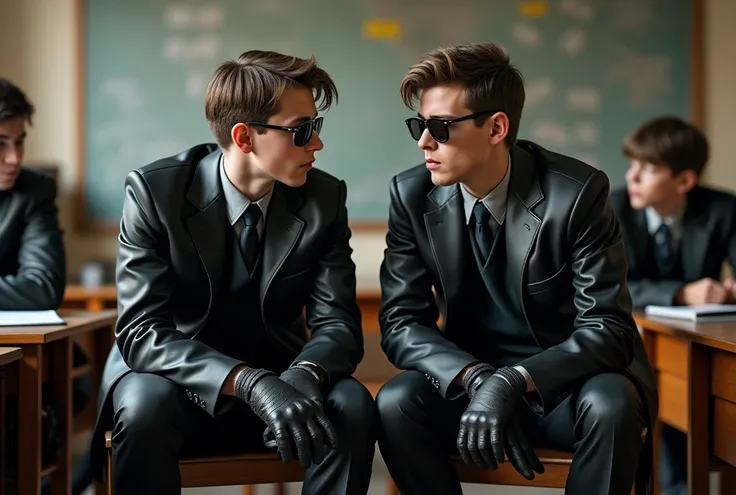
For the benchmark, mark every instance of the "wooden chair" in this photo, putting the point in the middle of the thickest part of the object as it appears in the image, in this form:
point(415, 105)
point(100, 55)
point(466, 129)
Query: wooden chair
point(556, 468)
point(226, 470)
point(253, 469)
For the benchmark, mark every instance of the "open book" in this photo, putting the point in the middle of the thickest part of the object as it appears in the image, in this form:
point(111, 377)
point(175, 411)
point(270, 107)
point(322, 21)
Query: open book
point(701, 313)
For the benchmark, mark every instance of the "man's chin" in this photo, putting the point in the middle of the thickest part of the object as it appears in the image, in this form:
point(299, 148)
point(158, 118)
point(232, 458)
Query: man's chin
point(6, 185)
point(440, 179)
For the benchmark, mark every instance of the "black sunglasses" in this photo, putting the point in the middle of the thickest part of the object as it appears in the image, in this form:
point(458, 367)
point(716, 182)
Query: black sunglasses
point(439, 129)
point(302, 132)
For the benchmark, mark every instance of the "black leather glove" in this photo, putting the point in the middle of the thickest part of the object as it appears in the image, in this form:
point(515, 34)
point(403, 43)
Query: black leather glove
point(289, 414)
point(302, 380)
point(492, 403)
point(520, 450)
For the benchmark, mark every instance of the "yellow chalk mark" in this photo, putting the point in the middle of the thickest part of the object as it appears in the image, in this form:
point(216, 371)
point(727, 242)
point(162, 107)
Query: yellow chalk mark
point(381, 28)
point(533, 8)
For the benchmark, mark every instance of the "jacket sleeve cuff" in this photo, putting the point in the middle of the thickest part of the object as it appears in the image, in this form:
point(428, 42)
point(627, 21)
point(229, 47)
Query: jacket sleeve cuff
point(447, 374)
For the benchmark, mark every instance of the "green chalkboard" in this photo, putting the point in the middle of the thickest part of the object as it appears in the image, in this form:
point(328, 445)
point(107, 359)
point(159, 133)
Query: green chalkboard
point(593, 70)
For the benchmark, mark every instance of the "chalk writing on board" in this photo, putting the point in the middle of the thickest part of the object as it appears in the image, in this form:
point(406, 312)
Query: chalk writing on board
point(178, 15)
point(414, 19)
point(539, 91)
point(527, 34)
point(583, 98)
point(581, 10)
point(550, 133)
point(572, 41)
point(533, 8)
point(124, 93)
point(179, 48)
point(585, 133)
point(211, 16)
point(190, 15)
point(646, 77)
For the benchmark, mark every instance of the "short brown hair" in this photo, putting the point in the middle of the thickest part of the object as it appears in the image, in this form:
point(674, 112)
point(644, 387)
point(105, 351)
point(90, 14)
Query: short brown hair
point(669, 141)
point(248, 89)
point(14, 103)
point(483, 69)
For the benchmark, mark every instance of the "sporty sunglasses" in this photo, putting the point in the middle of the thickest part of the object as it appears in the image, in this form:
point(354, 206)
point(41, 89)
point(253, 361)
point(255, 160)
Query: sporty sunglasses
point(302, 132)
point(439, 129)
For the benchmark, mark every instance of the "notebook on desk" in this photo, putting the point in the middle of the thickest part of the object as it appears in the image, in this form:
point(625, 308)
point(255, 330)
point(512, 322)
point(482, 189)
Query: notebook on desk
point(30, 318)
point(701, 313)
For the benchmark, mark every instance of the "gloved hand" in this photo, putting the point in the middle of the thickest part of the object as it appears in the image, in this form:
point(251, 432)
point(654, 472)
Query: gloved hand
point(520, 450)
point(289, 414)
point(492, 403)
point(304, 382)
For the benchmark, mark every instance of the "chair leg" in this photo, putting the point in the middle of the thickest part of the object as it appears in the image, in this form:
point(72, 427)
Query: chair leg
point(251, 489)
point(108, 481)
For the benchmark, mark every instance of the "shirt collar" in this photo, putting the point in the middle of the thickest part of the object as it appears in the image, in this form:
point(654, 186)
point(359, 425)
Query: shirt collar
point(654, 220)
point(236, 201)
point(494, 201)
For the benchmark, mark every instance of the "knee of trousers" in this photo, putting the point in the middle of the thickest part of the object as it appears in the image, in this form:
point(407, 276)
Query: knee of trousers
point(611, 402)
point(147, 413)
point(351, 408)
point(403, 399)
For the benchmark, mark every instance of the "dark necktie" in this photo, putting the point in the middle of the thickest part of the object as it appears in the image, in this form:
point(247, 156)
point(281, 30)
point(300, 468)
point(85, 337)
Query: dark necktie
point(664, 252)
point(482, 230)
point(249, 243)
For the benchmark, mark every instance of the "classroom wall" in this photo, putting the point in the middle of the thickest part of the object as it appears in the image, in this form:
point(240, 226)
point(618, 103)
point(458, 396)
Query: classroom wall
point(38, 53)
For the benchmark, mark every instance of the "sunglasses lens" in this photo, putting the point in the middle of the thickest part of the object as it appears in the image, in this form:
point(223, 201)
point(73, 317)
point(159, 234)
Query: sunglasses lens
point(439, 131)
point(318, 125)
point(416, 128)
point(303, 134)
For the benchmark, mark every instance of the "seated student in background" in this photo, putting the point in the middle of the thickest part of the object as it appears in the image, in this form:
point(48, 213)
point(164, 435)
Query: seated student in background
point(538, 345)
point(32, 258)
point(221, 249)
point(678, 235)
point(32, 255)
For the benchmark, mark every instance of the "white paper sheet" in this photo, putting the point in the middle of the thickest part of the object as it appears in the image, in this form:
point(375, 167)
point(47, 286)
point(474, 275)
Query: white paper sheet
point(704, 312)
point(30, 318)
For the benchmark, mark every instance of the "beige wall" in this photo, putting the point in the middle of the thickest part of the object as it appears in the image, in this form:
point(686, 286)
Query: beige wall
point(37, 51)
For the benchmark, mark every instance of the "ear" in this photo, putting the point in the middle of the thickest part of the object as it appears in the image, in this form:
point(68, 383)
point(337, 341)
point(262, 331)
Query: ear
point(242, 137)
point(499, 128)
point(686, 180)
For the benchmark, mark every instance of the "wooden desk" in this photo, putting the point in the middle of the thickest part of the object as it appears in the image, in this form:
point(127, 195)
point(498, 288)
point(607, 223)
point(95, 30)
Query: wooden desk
point(35, 341)
point(90, 298)
point(695, 367)
point(7, 355)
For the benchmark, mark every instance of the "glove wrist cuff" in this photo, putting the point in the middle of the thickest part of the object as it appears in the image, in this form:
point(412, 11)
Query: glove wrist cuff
point(311, 370)
point(476, 375)
point(246, 380)
point(514, 378)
